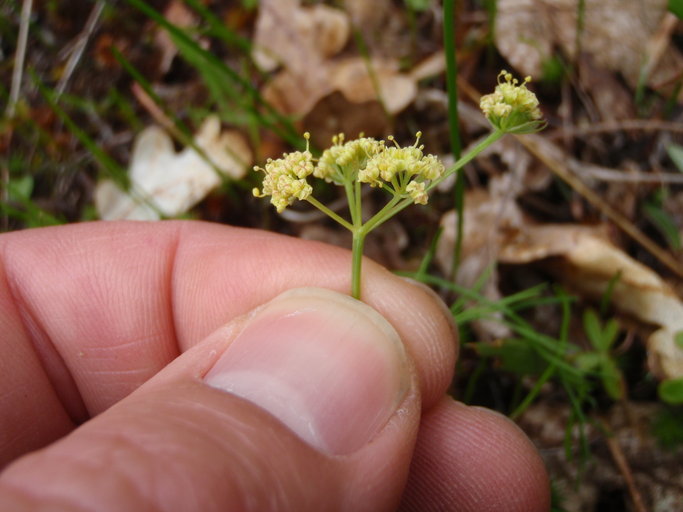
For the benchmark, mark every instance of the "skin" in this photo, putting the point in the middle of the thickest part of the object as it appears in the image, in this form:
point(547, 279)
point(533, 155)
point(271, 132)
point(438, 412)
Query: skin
point(107, 329)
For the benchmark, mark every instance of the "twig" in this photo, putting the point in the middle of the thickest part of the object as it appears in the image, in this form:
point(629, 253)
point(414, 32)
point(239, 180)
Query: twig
point(617, 176)
point(79, 47)
point(624, 468)
point(657, 45)
point(18, 71)
point(154, 110)
point(617, 126)
point(533, 144)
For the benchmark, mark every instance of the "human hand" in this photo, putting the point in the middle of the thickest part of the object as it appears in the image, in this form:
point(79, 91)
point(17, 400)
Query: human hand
point(120, 339)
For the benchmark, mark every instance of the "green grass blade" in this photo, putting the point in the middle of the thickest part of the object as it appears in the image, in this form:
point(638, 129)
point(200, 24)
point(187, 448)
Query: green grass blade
point(454, 124)
point(218, 29)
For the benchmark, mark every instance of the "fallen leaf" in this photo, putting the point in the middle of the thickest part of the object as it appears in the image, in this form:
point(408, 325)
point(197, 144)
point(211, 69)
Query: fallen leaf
point(299, 38)
point(382, 27)
point(296, 95)
point(584, 259)
point(368, 17)
point(615, 34)
point(353, 78)
point(167, 183)
point(303, 40)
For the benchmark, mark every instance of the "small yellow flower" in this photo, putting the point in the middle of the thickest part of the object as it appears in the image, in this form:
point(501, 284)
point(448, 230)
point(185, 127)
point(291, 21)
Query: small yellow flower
point(512, 107)
point(285, 178)
point(416, 190)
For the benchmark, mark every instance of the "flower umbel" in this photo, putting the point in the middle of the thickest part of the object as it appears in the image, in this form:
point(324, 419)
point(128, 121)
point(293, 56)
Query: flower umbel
point(403, 171)
point(285, 179)
point(406, 173)
point(512, 108)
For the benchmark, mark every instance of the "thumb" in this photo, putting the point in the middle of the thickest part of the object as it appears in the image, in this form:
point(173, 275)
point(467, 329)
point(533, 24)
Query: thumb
point(293, 407)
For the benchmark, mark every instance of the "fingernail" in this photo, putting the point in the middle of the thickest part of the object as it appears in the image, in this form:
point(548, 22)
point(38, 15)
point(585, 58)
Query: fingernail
point(329, 367)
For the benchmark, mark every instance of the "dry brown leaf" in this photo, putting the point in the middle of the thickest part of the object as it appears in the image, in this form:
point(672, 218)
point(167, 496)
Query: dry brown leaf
point(352, 78)
point(368, 17)
point(382, 26)
point(495, 230)
point(299, 38)
point(615, 34)
point(173, 182)
point(293, 94)
point(302, 40)
point(590, 262)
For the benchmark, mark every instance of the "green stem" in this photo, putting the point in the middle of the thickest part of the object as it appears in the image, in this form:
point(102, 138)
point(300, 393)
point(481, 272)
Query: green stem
point(449, 44)
point(454, 122)
point(329, 212)
point(358, 219)
point(357, 250)
point(471, 155)
point(381, 215)
point(351, 199)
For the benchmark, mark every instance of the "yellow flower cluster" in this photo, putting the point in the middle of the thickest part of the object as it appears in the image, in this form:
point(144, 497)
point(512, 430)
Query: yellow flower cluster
point(285, 178)
point(402, 171)
point(343, 159)
point(512, 107)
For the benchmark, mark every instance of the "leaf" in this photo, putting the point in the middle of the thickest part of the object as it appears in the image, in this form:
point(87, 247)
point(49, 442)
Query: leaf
point(298, 38)
point(302, 41)
point(516, 356)
point(166, 183)
point(664, 223)
point(676, 7)
point(676, 154)
point(588, 361)
point(20, 189)
point(667, 426)
point(612, 380)
point(671, 391)
point(610, 332)
point(418, 5)
point(591, 325)
point(613, 33)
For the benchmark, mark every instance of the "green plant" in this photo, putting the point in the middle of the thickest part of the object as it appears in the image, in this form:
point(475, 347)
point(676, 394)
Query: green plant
point(667, 426)
point(600, 360)
point(671, 390)
point(528, 354)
